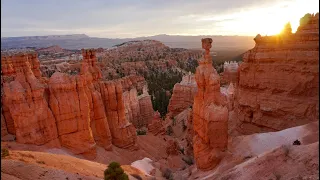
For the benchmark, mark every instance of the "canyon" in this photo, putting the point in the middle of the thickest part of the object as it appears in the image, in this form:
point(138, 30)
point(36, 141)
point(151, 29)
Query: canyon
point(72, 111)
point(258, 119)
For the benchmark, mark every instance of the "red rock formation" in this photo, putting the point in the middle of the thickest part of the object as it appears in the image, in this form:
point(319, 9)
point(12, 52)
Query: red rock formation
point(132, 107)
point(146, 109)
point(24, 105)
point(172, 147)
point(91, 74)
point(79, 110)
point(70, 106)
point(279, 81)
point(4, 131)
point(210, 114)
point(123, 133)
point(99, 123)
point(230, 72)
point(189, 136)
point(155, 126)
point(11, 65)
point(183, 95)
point(138, 108)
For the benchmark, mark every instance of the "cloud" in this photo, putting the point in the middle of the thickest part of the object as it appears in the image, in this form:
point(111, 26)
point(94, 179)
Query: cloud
point(127, 18)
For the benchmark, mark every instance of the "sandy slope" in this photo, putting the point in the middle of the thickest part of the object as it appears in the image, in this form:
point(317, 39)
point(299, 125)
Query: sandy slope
point(39, 165)
point(267, 156)
point(62, 163)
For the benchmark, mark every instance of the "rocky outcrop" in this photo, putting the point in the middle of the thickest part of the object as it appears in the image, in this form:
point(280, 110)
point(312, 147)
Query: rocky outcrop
point(12, 64)
point(230, 72)
point(183, 94)
point(155, 126)
point(25, 106)
point(122, 131)
point(146, 109)
point(4, 130)
point(172, 147)
point(137, 101)
point(279, 81)
point(70, 106)
point(76, 111)
point(210, 114)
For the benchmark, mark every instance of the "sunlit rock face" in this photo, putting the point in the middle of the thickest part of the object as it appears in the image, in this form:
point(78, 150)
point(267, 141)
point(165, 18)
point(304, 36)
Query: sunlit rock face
point(73, 111)
point(25, 108)
point(278, 83)
point(210, 114)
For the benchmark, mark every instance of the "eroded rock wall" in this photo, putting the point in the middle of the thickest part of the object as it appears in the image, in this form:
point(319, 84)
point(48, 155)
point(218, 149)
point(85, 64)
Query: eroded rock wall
point(183, 95)
point(76, 111)
point(137, 101)
point(279, 81)
point(25, 108)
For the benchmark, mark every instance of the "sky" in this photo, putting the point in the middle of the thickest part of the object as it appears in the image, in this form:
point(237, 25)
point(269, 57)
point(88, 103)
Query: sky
point(135, 18)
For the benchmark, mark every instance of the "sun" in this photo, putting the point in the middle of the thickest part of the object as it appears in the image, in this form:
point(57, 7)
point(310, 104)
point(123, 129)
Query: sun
point(269, 20)
point(274, 22)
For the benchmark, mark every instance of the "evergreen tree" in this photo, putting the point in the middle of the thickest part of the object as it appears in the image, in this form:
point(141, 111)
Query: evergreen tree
point(115, 172)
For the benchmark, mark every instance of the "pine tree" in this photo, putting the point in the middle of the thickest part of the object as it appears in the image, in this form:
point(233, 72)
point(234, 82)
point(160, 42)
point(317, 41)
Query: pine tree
point(115, 172)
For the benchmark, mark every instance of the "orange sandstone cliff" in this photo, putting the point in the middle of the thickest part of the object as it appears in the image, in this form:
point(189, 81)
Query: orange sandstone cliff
point(73, 111)
point(210, 114)
point(279, 81)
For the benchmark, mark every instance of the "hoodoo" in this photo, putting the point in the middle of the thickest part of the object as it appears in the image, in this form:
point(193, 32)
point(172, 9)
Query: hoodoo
point(210, 114)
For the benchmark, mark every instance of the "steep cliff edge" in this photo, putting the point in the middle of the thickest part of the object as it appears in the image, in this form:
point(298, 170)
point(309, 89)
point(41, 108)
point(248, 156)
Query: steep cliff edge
point(279, 81)
point(210, 114)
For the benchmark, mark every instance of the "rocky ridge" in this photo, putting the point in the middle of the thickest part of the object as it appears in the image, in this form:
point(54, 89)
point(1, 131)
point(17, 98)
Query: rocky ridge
point(279, 81)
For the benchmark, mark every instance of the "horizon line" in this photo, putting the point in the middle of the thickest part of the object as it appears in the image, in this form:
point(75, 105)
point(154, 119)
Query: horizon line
point(126, 37)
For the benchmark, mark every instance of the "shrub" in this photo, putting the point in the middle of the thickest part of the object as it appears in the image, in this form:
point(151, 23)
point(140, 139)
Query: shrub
point(169, 130)
point(296, 142)
point(40, 162)
point(174, 121)
point(167, 174)
point(184, 127)
point(141, 132)
point(181, 150)
point(188, 160)
point(115, 172)
point(4, 152)
point(305, 19)
point(139, 93)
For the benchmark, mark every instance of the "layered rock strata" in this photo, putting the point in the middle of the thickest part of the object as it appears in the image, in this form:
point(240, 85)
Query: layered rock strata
point(210, 114)
point(75, 111)
point(138, 105)
point(25, 107)
point(183, 95)
point(155, 126)
point(279, 81)
point(230, 71)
